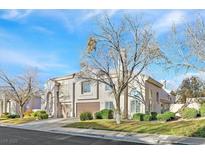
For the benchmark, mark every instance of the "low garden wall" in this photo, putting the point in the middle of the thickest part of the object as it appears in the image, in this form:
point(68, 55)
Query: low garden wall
point(176, 107)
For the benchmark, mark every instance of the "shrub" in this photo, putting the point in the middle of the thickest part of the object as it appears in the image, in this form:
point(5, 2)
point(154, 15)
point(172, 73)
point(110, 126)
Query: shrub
point(107, 114)
point(5, 115)
point(28, 113)
point(166, 116)
point(202, 110)
point(189, 113)
point(98, 115)
point(40, 114)
point(138, 116)
point(34, 114)
point(9, 116)
point(86, 116)
point(147, 117)
point(13, 116)
point(154, 115)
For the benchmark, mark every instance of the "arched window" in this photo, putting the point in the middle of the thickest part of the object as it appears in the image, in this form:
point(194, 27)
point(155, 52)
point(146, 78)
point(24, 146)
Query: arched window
point(50, 104)
point(135, 93)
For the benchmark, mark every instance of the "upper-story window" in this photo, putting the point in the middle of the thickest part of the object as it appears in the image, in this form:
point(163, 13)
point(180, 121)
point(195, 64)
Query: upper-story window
point(86, 87)
point(108, 88)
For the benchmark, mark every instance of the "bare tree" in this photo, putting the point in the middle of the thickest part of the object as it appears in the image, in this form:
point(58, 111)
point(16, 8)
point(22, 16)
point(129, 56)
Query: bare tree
point(118, 53)
point(187, 46)
point(21, 88)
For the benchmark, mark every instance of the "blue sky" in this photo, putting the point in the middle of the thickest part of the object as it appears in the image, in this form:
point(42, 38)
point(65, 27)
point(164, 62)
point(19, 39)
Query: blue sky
point(53, 40)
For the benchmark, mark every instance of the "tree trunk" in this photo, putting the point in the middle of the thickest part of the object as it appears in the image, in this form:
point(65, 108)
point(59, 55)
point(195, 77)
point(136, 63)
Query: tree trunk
point(21, 111)
point(118, 117)
point(118, 112)
point(126, 103)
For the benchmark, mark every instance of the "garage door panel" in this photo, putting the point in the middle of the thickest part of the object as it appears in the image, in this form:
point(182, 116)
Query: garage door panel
point(87, 107)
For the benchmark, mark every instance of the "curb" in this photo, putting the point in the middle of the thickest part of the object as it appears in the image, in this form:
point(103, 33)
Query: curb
point(108, 137)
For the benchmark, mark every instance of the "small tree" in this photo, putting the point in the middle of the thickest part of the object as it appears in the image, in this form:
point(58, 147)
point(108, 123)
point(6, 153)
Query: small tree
point(118, 53)
point(191, 87)
point(21, 88)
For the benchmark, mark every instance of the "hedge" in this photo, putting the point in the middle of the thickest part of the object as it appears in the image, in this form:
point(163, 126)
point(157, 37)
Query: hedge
point(166, 116)
point(154, 115)
point(98, 115)
point(107, 114)
point(86, 116)
point(138, 116)
point(5, 115)
point(13, 116)
point(40, 114)
point(189, 113)
point(147, 117)
point(104, 114)
point(9, 116)
point(143, 117)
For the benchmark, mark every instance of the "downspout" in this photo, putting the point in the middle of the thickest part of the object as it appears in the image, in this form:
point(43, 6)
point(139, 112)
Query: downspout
point(74, 99)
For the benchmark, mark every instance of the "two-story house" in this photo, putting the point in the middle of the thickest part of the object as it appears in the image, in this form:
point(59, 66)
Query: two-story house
point(68, 96)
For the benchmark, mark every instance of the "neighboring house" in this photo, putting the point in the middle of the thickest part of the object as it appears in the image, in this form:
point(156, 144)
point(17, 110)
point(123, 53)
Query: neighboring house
point(166, 98)
point(68, 96)
point(9, 106)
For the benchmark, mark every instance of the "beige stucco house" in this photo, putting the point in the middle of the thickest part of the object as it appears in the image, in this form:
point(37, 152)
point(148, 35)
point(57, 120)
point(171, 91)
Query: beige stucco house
point(68, 96)
point(9, 106)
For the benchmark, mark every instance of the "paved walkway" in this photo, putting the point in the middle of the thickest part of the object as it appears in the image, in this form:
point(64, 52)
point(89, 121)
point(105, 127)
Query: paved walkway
point(55, 126)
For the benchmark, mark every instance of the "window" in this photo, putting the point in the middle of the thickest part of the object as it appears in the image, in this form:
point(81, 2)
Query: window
point(108, 88)
point(86, 87)
point(109, 105)
point(135, 93)
point(135, 106)
point(157, 97)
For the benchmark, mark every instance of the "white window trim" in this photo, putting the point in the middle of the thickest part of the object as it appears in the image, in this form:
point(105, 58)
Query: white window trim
point(86, 93)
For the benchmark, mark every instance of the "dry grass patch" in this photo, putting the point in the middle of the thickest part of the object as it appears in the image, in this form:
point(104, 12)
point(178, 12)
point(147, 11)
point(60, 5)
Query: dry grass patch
point(194, 128)
point(16, 121)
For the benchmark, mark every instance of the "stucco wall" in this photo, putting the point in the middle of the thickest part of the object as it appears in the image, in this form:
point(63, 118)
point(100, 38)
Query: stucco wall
point(154, 105)
point(176, 107)
point(103, 96)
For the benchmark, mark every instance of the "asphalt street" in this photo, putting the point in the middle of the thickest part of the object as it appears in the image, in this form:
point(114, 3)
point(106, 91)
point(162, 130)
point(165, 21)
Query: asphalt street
point(13, 136)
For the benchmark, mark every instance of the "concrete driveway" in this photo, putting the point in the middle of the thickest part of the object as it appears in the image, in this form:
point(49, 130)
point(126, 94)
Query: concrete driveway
point(47, 125)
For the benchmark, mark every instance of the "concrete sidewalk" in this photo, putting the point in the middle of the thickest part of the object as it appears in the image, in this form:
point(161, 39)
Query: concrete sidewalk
point(131, 137)
point(55, 126)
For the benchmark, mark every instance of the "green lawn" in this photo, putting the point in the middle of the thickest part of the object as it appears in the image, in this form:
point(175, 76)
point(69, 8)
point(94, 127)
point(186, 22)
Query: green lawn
point(194, 128)
point(16, 121)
